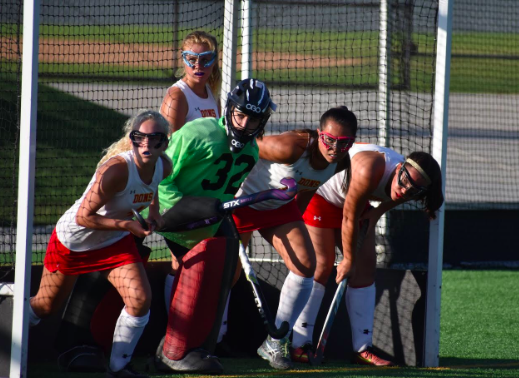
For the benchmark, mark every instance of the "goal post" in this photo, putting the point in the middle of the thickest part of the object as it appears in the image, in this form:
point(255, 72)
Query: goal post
point(439, 152)
point(26, 178)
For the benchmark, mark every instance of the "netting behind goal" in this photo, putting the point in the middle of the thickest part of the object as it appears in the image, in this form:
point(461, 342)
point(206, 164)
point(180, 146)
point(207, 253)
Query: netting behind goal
point(320, 55)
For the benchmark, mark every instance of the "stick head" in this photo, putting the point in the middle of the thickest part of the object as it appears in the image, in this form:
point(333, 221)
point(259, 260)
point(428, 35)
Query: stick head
point(140, 219)
point(291, 189)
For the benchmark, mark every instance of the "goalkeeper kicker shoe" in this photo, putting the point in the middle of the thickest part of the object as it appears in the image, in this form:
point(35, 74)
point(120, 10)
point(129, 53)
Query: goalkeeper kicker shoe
point(276, 352)
point(126, 372)
point(368, 357)
point(195, 361)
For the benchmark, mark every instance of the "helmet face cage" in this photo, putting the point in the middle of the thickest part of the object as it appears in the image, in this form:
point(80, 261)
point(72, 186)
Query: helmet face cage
point(252, 98)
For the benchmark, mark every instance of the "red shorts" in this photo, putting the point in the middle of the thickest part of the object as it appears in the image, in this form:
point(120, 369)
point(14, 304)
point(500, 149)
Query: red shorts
point(322, 214)
point(60, 258)
point(248, 219)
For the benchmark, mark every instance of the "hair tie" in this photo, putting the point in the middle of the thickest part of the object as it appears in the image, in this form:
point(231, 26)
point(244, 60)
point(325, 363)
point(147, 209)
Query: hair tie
point(419, 169)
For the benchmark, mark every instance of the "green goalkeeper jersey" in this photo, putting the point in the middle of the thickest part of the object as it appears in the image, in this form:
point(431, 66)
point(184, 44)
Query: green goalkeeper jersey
point(203, 166)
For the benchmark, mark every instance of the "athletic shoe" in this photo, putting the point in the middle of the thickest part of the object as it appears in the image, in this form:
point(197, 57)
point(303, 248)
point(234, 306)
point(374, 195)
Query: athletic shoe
point(82, 358)
point(276, 352)
point(301, 354)
point(195, 361)
point(127, 372)
point(368, 357)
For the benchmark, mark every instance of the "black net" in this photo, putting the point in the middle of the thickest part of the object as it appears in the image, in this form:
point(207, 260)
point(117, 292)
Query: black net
point(483, 134)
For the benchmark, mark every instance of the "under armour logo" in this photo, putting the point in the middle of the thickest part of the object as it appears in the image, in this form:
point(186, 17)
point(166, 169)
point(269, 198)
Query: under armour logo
point(197, 109)
point(317, 218)
point(127, 355)
point(366, 332)
point(304, 325)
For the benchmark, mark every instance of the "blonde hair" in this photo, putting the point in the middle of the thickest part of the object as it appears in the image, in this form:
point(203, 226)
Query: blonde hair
point(200, 37)
point(133, 123)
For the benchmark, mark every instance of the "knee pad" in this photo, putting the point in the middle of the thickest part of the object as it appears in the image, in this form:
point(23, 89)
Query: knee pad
point(200, 292)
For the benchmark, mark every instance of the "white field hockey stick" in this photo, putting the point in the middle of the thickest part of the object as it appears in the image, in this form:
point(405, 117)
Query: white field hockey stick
point(317, 358)
point(273, 331)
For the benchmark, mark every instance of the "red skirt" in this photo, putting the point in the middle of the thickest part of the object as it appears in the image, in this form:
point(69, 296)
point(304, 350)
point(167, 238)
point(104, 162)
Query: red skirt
point(322, 214)
point(248, 219)
point(60, 258)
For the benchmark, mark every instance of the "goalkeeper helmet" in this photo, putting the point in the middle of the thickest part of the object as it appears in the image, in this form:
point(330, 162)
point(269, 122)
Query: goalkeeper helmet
point(252, 99)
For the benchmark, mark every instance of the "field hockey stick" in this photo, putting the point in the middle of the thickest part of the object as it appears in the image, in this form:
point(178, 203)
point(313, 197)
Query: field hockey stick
point(140, 219)
point(280, 194)
point(273, 331)
point(317, 358)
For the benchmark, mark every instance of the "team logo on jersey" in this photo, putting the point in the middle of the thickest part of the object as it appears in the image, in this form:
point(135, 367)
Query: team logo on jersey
point(309, 183)
point(208, 113)
point(146, 197)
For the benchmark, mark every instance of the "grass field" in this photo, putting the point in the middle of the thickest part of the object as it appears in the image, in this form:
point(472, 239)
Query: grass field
point(482, 62)
point(479, 338)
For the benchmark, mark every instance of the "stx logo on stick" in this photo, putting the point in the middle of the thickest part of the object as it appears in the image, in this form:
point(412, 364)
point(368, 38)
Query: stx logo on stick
point(231, 204)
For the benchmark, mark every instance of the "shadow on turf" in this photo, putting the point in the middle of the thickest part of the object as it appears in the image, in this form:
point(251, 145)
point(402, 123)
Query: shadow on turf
point(466, 363)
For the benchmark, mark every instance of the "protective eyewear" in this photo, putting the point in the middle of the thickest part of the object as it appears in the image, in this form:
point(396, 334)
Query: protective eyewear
point(204, 59)
point(155, 140)
point(343, 144)
point(411, 188)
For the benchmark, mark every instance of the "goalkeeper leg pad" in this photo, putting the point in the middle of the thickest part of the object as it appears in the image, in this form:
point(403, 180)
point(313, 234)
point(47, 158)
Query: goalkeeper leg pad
point(199, 297)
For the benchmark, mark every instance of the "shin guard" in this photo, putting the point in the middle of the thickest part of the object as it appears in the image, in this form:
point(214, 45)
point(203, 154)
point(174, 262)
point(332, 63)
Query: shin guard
point(199, 296)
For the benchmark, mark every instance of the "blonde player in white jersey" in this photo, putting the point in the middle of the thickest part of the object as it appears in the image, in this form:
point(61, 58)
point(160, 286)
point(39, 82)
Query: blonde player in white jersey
point(311, 157)
point(332, 219)
point(195, 95)
point(96, 234)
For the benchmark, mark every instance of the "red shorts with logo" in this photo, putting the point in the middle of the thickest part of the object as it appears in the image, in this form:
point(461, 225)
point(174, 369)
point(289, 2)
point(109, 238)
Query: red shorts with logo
point(248, 219)
point(322, 214)
point(60, 258)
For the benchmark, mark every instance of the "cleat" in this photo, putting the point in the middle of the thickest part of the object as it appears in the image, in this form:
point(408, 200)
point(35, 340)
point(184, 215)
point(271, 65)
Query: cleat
point(82, 358)
point(368, 357)
point(300, 354)
point(126, 372)
point(195, 361)
point(276, 352)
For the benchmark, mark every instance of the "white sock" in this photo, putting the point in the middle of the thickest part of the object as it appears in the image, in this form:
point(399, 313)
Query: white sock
point(304, 327)
point(294, 295)
point(360, 303)
point(168, 286)
point(128, 331)
point(33, 318)
point(223, 327)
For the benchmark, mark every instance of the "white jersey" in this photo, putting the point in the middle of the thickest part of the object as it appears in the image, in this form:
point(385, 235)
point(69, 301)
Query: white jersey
point(198, 107)
point(267, 175)
point(136, 195)
point(332, 192)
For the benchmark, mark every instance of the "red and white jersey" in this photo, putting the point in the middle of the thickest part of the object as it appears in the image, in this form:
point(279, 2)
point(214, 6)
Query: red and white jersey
point(136, 195)
point(332, 192)
point(267, 175)
point(198, 107)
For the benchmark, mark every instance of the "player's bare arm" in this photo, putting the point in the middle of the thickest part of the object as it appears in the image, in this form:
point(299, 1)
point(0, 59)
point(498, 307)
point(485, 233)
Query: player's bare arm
point(174, 108)
point(367, 171)
point(284, 148)
point(112, 178)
